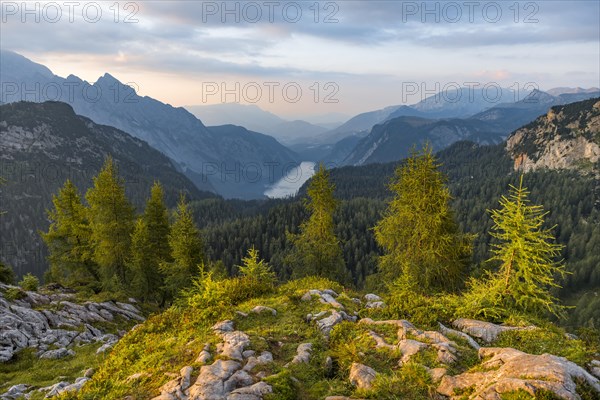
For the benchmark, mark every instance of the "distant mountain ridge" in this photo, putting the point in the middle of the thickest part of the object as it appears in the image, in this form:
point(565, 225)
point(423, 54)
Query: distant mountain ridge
point(255, 119)
point(203, 155)
point(42, 145)
point(392, 139)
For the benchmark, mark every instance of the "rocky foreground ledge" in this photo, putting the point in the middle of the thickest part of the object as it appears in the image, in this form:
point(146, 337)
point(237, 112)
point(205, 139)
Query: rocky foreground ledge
point(228, 371)
point(233, 362)
point(53, 323)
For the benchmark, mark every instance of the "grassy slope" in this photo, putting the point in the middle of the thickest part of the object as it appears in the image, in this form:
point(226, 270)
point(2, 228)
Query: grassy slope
point(173, 339)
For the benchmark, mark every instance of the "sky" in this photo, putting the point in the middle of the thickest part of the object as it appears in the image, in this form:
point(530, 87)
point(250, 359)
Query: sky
point(304, 58)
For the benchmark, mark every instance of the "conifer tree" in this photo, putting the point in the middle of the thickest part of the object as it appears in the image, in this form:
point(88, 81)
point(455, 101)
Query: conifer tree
point(141, 262)
point(69, 241)
point(150, 246)
point(111, 219)
point(187, 251)
point(423, 247)
point(256, 268)
point(316, 249)
point(527, 256)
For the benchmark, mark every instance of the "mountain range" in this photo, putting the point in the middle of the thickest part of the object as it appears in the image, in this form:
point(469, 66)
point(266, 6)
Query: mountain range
point(392, 139)
point(212, 159)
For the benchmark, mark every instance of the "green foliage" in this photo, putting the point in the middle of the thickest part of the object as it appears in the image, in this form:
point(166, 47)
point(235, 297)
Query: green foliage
point(187, 251)
point(254, 268)
point(150, 247)
point(7, 275)
point(404, 301)
point(111, 219)
point(141, 262)
point(418, 233)
point(14, 293)
point(412, 381)
point(526, 253)
point(30, 283)
point(69, 241)
point(316, 249)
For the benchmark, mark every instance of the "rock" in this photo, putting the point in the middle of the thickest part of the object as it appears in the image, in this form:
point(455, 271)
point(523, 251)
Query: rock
point(76, 387)
point(234, 344)
point(510, 370)
point(264, 358)
point(326, 324)
point(486, 331)
point(223, 326)
point(248, 353)
point(327, 298)
point(302, 354)
point(239, 379)
point(254, 392)
point(261, 309)
point(56, 389)
point(437, 374)
point(308, 295)
point(186, 373)
point(241, 314)
point(370, 297)
point(330, 292)
point(6, 353)
point(380, 342)
point(58, 353)
point(362, 376)
point(15, 392)
point(209, 384)
point(447, 331)
point(104, 348)
point(375, 304)
point(137, 376)
point(204, 355)
point(410, 347)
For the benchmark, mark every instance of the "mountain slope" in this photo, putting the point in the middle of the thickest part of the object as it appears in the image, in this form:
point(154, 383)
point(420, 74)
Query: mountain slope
point(42, 145)
point(567, 137)
point(173, 131)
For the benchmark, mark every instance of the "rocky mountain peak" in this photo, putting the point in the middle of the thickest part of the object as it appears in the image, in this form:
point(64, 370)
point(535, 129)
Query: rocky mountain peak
point(566, 137)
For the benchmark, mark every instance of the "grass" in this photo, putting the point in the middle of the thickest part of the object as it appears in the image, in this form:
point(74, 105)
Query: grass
point(26, 368)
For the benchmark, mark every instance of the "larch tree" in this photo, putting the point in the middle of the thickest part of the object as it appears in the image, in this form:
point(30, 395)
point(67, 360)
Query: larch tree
point(424, 250)
point(187, 251)
point(150, 246)
point(527, 254)
point(69, 241)
point(111, 219)
point(316, 249)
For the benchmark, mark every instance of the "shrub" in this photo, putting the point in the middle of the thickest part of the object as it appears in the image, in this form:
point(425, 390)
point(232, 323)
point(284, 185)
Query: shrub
point(14, 293)
point(30, 283)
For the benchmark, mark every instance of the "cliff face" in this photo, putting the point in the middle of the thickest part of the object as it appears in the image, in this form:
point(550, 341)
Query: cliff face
point(567, 137)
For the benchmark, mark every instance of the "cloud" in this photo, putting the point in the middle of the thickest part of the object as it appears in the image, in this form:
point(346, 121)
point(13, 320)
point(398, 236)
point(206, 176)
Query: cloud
point(346, 41)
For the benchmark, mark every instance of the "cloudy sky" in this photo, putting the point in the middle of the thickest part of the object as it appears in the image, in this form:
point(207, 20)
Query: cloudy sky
point(301, 58)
